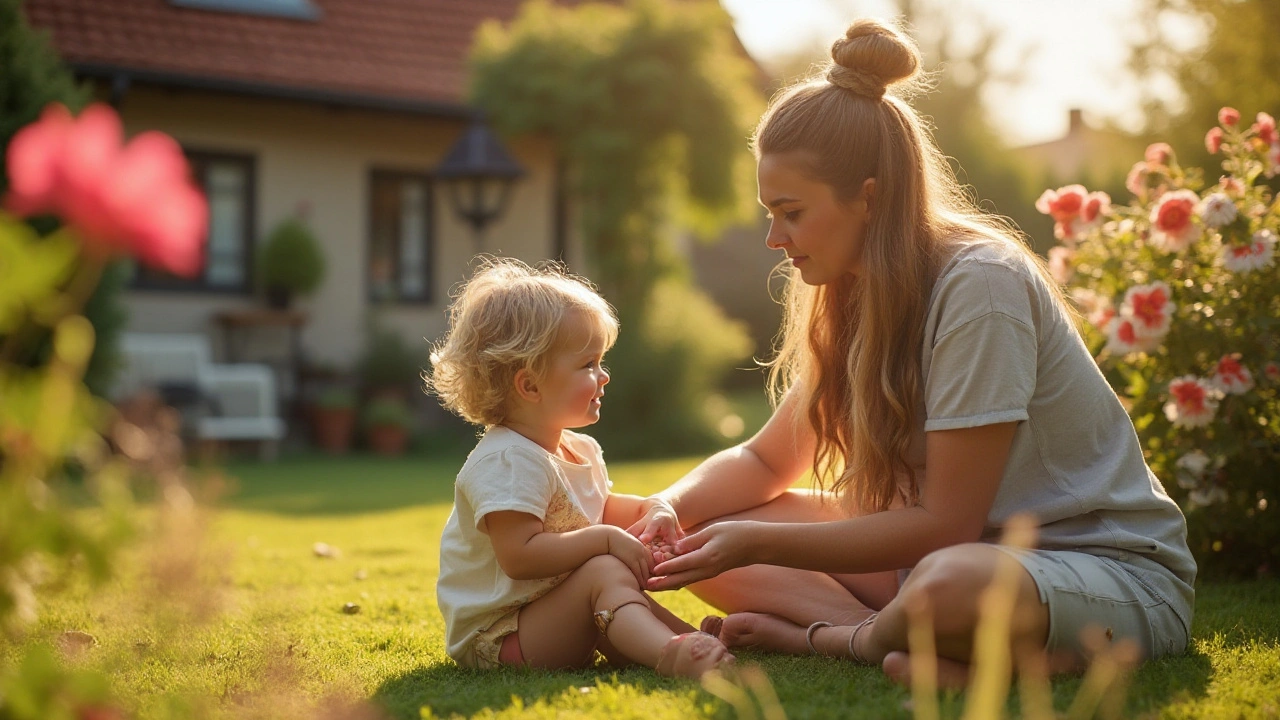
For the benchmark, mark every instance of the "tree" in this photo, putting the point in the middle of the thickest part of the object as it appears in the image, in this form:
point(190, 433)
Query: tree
point(1234, 65)
point(31, 77)
point(650, 104)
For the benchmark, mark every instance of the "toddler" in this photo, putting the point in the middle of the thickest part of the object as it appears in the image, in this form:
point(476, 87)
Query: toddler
point(535, 568)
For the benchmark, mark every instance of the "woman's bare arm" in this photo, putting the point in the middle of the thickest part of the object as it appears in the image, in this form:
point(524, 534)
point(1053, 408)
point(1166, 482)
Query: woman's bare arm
point(747, 475)
point(962, 474)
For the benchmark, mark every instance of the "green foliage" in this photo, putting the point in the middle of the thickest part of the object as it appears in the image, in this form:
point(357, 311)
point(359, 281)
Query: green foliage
point(657, 402)
point(382, 412)
point(291, 259)
point(336, 397)
point(650, 104)
point(1234, 66)
point(31, 77)
point(1224, 466)
point(389, 362)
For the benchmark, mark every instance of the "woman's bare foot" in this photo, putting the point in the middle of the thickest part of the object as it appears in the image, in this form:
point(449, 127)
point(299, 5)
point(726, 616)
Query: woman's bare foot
point(952, 675)
point(761, 630)
point(692, 655)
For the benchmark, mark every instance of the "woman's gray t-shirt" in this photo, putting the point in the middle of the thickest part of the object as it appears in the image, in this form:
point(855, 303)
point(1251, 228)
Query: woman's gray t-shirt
point(999, 347)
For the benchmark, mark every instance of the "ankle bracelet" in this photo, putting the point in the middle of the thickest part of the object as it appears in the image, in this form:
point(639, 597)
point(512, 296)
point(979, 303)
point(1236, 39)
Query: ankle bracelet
point(808, 635)
point(853, 652)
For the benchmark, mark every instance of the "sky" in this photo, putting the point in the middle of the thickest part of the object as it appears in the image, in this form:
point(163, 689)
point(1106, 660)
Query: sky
point(1071, 53)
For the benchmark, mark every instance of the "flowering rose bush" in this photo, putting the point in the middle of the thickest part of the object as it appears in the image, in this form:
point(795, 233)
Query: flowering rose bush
point(1179, 292)
point(112, 199)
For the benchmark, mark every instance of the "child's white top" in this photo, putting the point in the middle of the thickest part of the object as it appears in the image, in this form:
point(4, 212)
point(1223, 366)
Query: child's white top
point(507, 471)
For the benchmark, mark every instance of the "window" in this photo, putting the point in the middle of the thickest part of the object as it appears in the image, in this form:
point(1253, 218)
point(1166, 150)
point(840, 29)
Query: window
point(400, 263)
point(227, 181)
point(293, 9)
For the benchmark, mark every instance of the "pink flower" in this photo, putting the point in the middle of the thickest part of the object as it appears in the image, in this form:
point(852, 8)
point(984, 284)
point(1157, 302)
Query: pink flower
point(135, 198)
point(1231, 186)
point(1123, 337)
point(1172, 229)
point(1265, 128)
point(1217, 210)
point(1231, 377)
point(1063, 205)
point(1255, 255)
point(1228, 117)
point(1150, 308)
point(1193, 402)
point(1096, 308)
point(1060, 267)
point(1272, 160)
point(1096, 204)
point(1271, 371)
point(1213, 140)
point(1159, 153)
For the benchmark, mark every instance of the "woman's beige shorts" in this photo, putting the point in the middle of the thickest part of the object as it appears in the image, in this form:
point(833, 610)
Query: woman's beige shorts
point(1081, 590)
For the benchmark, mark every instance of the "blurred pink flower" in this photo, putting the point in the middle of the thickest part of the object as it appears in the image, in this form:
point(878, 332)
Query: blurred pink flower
point(1231, 377)
point(1271, 371)
point(1074, 209)
point(1150, 308)
point(1254, 255)
point(1193, 402)
point(1158, 153)
point(1213, 140)
point(1060, 267)
point(1228, 116)
point(1123, 337)
point(1172, 229)
point(1265, 128)
point(1231, 186)
point(134, 199)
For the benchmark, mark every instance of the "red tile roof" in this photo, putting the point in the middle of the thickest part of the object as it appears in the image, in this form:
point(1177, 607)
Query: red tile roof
point(409, 51)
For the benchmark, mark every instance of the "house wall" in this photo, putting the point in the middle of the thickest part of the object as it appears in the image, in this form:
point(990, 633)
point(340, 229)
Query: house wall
point(322, 157)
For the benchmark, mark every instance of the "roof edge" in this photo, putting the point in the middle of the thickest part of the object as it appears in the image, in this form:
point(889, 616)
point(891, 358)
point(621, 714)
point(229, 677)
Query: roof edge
point(120, 77)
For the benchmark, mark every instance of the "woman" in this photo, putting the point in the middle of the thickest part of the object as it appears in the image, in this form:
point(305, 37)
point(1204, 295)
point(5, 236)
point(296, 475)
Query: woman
point(932, 377)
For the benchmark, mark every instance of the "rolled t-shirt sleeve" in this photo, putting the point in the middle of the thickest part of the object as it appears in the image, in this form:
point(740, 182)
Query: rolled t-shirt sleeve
point(982, 370)
point(513, 479)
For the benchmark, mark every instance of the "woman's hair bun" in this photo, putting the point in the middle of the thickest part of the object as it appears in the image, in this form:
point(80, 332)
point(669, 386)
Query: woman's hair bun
point(872, 56)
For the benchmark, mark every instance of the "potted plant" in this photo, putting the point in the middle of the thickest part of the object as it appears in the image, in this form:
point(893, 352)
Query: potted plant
point(290, 263)
point(386, 423)
point(389, 367)
point(333, 417)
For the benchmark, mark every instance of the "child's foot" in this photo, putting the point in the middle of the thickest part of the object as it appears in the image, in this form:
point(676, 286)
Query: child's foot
point(692, 655)
point(952, 675)
point(761, 630)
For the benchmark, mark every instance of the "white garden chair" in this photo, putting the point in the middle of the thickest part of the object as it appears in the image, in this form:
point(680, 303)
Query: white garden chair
point(238, 400)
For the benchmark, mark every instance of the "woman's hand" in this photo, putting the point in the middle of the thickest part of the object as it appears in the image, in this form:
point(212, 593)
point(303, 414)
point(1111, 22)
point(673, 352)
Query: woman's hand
point(635, 555)
point(707, 553)
point(658, 528)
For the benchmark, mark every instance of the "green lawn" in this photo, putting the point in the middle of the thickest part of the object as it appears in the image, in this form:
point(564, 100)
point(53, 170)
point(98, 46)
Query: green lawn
point(278, 640)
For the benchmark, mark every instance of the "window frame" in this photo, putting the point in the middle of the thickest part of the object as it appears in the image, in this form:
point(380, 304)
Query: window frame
point(142, 281)
point(428, 180)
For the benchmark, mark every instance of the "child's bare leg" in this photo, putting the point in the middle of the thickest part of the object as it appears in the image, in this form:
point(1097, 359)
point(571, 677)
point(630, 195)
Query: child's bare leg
point(668, 618)
point(558, 629)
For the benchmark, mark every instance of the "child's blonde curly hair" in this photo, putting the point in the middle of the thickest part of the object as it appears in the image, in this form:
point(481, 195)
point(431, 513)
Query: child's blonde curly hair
point(508, 317)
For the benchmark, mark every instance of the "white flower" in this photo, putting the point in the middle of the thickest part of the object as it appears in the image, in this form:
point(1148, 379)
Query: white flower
point(1193, 402)
point(1205, 497)
point(1273, 160)
point(1190, 469)
point(1218, 210)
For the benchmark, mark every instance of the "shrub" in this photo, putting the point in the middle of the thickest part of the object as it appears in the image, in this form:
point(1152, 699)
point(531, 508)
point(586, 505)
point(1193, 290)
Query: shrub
point(386, 411)
point(291, 259)
point(665, 369)
point(1179, 288)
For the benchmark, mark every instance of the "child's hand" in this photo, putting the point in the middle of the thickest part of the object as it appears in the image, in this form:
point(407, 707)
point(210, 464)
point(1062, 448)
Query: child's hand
point(631, 552)
point(661, 551)
point(659, 526)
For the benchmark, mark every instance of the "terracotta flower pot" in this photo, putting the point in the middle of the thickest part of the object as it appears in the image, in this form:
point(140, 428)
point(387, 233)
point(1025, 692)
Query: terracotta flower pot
point(388, 439)
point(333, 428)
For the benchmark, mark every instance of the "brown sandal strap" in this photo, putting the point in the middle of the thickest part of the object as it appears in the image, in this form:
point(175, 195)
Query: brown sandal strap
point(604, 618)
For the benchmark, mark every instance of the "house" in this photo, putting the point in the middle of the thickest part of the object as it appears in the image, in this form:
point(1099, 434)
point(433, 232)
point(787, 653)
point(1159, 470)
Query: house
point(338, 111)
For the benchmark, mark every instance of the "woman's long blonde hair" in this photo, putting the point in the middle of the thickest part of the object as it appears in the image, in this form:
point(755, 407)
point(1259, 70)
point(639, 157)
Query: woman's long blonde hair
point(851, 349)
